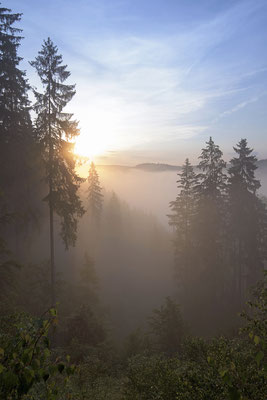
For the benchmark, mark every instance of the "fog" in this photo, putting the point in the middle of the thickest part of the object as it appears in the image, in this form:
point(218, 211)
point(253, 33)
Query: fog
point(152, 191)
point(133, 255)
point(131, 246)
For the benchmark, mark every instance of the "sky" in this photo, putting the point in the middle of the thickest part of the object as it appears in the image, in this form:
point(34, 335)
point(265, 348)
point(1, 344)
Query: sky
point(155, 79)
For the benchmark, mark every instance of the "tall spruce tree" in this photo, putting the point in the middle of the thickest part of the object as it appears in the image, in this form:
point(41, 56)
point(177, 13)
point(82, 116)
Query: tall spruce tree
point(19, 154)
point(183, 211)
point(15, 120)
point(94, 195)
point(212, 178)
point(209, 227)
point(54, 130)
point(210, 194)
point(247, 222)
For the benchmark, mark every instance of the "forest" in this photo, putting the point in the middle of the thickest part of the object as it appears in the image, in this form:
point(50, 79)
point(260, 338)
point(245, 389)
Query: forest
point(98, 298)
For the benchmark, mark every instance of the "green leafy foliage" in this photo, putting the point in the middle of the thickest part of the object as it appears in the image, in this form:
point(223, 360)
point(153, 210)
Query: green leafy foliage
point(226, 369)
point(25, 355)
point(217, 369)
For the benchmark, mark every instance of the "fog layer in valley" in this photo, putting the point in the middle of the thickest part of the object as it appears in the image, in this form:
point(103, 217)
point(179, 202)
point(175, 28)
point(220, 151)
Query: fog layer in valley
point(131, 247)
point(151, 191)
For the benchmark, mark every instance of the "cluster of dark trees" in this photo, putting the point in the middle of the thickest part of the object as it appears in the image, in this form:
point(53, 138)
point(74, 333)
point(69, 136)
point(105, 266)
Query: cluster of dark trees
point(37, 159)
point(220, 226)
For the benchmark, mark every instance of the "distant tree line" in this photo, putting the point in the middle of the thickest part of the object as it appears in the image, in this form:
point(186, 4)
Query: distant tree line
point(220, 226)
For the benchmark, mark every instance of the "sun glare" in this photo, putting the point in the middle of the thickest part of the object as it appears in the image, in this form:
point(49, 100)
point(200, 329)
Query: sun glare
point(89, 147)
point(99, 134)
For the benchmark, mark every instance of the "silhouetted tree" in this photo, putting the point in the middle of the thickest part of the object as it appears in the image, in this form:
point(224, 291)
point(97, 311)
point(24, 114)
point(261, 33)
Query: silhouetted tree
point(248, 220)
point(212, 178)
point(94, 196)
point(209, 228)
point(183, 212)
point(15, 122)
point(14, 118)
point(54, 130)
point(20, 172)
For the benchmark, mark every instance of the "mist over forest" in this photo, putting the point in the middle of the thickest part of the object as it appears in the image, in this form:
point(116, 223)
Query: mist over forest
point(119, 282)
point(157, 181)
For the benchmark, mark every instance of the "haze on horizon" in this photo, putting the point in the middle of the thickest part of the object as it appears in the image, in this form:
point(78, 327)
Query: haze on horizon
point(155, 79)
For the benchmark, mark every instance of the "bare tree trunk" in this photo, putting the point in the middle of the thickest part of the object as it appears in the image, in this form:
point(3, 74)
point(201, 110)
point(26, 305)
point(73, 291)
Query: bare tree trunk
point(52, 251)
point(240, 274)
point(51, 210)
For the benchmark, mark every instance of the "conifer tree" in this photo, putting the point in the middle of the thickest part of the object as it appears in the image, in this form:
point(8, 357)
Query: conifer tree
point(15, 120)
point(183, 210)
point(212, 178)
point(247, 220)
point(19, 153)
point(242, 169)
point(210, 194)
point(94, 196)
point(54, 130)
point(209, 227)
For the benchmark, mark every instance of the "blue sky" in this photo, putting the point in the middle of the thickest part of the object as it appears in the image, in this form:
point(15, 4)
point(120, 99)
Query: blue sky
point(155, 79)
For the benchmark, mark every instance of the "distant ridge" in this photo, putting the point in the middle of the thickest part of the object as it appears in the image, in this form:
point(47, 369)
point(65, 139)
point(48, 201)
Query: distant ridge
point(151, 167)
point(157, 167)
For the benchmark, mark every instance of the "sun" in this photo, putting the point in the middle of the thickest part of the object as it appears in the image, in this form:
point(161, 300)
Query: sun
point(98, 134)
point(90, 147)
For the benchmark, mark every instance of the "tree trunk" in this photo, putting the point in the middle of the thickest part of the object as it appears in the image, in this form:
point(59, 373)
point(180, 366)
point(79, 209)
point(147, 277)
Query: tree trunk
point(51, 210)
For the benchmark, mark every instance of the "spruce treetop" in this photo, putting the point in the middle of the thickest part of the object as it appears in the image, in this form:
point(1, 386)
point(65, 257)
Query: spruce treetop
point(184, 203)
point(187, 176)
point(53, 74)
point(243, 167)
point(212, 179)
point(56, 95)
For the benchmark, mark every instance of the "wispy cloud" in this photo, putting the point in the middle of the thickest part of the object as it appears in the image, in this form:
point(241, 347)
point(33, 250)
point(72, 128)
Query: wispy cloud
point(136, 88)
point(238, 107)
